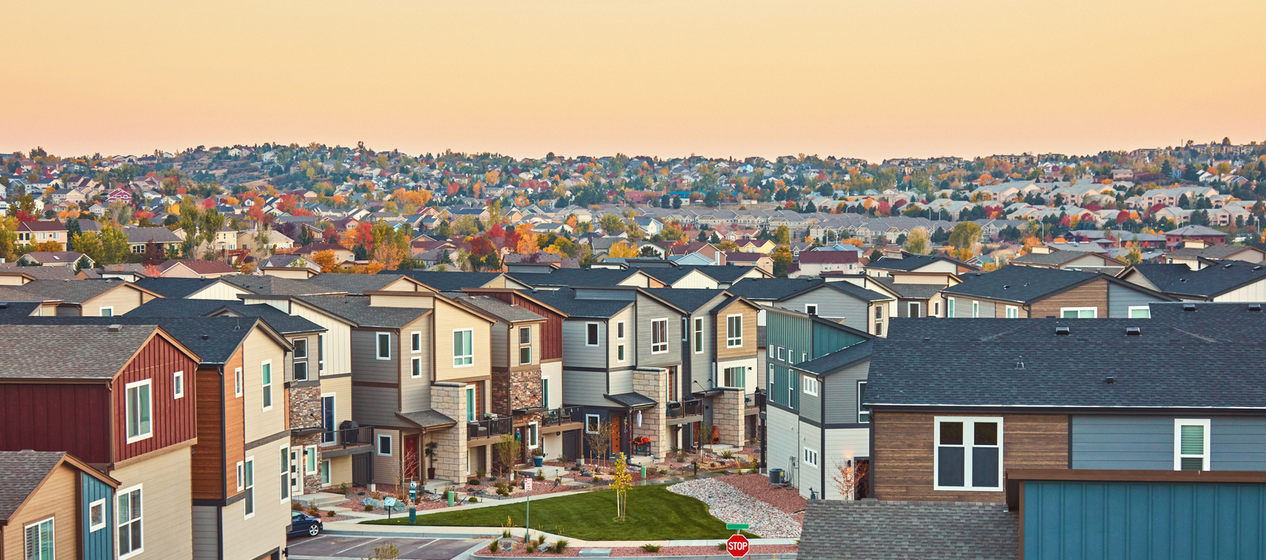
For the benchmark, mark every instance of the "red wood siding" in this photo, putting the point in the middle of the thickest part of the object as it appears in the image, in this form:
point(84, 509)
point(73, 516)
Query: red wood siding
point(173, 419)
point(57, 417)
point(551, 330)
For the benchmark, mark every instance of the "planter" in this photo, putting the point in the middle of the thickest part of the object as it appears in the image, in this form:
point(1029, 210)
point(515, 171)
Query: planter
point(430, 473)
point(538, 461)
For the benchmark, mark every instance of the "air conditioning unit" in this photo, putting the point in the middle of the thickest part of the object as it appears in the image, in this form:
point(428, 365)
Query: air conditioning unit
point(777, 476)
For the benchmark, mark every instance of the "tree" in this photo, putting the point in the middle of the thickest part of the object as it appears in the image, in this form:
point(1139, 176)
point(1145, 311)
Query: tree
point(847, 476)
point(782, 235)
point(611, 224)
point(782, 259)
point(326, 259)
point(504, 449)
point(917, 241)
point(874, 256)
point(599, 442)
point(89, 244)
point(621, 481)
point(965, 235)
point(712, 199)
point(623, 249)
point(154, 254)
point(114, 246)
point(676, 202)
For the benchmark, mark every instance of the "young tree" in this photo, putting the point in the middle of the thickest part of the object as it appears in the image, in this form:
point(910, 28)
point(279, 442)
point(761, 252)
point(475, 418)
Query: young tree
point(621, 481)
point(504, 449)
point(846, 477)
point(599, 442)
point(782, 235)
point(326, 260)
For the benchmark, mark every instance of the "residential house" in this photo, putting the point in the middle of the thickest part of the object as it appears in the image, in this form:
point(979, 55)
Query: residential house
point(194, 268)
point(43, 231)
point(1227, 281)
point(901, 262)
point(56, 258)
point(139, 237)
point(817, 263)
point(55, 505)
point(1022, 292)
point(1071, 260)
point(96, 298)
point(1204, 234)
point(1197, 255)
point(757, 260)
point(341, 253)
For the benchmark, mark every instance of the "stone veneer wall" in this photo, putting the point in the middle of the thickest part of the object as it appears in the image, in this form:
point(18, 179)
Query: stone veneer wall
point(513, 390)
point(728, 411)
point(311, 482)
point(305, 412)
point(449, 399)
point(653, 384)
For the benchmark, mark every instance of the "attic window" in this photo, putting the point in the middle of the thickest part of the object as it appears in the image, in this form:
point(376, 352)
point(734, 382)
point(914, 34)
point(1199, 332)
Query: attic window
point(1062, 331)
point(1133, 331)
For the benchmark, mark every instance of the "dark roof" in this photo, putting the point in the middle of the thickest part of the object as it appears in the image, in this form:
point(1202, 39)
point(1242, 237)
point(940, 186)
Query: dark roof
point(856, 291)
point(772, 288)
point(213, 339)
point(910, 291)
point(199, 266)
point(72, 291)
point(20, 473)
point(1020, 283)
point(498, 308)
point(275, 285)
point(279, 320)
point(148, 234)
point(41, 272)
point(565, 300)
point(451, 281)
point(1208, 282)
point(1214, 252)
point(47, 347)
point(357, 310)
point(827, 257)
point(909, 262)
point(874, 530)
point(427, 418)
point(355, 284)
point(1195, 230)
point(175, 287)
point(575, 277)
point(631, 400)
point(827, 364)
point(689, 300)
point(18, 308)
point(727, 274)
point(665, 274)
point(1053, 259)
point(1201, 360)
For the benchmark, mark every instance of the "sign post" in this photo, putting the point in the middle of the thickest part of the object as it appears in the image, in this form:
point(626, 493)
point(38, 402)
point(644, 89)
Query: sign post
point(737, 546)
point(527, 485)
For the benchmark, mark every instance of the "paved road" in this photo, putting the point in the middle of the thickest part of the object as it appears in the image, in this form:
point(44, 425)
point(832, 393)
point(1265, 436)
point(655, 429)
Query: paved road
point(328, 547)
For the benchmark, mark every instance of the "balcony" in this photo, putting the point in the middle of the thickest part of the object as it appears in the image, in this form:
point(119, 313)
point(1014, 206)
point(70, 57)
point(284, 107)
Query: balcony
point(489, 428)
point(684, 412)
point(350, 439)
point(560, 416)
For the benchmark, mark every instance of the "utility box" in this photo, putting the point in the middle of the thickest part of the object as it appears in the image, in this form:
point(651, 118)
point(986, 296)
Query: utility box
point(777, 476)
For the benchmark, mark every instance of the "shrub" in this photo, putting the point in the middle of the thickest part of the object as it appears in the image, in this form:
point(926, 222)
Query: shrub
point(329, 514)
point(651, 547)
point(314, 512)
point(530, 548)
point(540, 539)
point(575, 468)
point(540, 476)
point(727, 455)
point(558, 480)
point(474, 500)
point(597, 479)
point(494, 545)
point(560, 545)
point(481, 473)
point(503, 489)
point(720, 546)
point(473, 482)
point(344, 488)
point(296, 506)
point(369, 507)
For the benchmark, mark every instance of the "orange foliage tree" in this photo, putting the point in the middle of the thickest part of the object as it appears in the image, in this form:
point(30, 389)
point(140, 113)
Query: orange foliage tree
point(326, 259)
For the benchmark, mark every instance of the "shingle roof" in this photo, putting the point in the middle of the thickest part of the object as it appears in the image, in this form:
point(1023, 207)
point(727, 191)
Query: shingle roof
point(631, 400)
point(175, 287)
point(1209, 281)
point(727, 274)
point(829, 363)
point(908, 262)
point(275, 286)
point(771, 288)
point(1050, 259)
point(1196, 230)
point(565, 300)
point(1019, 283)
point(910, 291)
point(452, 281)
point(148, 234)
point(47, 348)
point(665, 274)
point(73, 291)
point(199, 266)
point(213, 339)
point(357, 310)
point(279, 320)
point(576, 277)
point(1211, 252)
point(355, 284)
point(498, 308)
point(857, 291)
point(874, 530)
point(689, 300)
point(427, 418)
point(54, 257)
point(20, 473)
point(41, 272)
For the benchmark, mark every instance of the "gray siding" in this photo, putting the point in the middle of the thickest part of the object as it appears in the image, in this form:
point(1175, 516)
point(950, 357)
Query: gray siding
point(584, 388)
point(1237, 444)
point(840, 389)
point(647, 311)
point(499, 345)
point(811, 406)
point(206, 533)
point(374, 406)
point(621, 382)
point(365, 362)
point(575, 353)
point(1120, 299)
point(783, 435)
point(1147, 443)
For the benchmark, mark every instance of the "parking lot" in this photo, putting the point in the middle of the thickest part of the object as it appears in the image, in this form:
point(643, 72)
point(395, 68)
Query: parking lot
point(327, 547)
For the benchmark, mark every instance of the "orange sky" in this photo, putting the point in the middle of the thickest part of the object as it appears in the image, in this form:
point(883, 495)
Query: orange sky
point(871, 79)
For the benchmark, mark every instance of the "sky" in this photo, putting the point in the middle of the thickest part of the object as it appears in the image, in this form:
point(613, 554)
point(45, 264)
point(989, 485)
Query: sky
point(872, 79)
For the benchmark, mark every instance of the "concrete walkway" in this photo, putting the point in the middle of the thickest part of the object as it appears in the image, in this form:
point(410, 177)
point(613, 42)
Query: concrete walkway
point(353, 529)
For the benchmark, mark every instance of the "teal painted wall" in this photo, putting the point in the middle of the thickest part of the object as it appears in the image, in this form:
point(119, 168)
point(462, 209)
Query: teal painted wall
point(99, 544)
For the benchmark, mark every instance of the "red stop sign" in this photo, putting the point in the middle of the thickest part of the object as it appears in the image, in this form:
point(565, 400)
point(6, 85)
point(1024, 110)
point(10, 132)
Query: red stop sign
point(737, 546)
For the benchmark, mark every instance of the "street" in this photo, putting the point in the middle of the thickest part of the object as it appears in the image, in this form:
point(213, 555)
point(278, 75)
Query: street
point(329, 547)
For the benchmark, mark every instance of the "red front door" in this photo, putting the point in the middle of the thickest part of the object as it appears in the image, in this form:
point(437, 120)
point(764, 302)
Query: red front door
point(411, 465)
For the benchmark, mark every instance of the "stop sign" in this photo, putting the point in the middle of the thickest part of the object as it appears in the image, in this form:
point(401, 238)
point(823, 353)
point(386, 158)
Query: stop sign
point(737, 546)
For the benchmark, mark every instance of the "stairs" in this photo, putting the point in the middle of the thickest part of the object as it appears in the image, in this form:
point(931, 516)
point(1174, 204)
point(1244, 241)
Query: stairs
point(321, 500)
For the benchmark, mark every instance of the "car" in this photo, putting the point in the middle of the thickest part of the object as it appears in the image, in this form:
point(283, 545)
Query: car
point(303, 524)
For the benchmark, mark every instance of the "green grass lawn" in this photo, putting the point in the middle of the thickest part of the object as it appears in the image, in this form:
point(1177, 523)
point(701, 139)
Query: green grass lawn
point(654, 513)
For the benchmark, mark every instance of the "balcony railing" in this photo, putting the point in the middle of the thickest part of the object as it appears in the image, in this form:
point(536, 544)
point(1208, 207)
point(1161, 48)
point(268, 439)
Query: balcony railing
point(560, 416)
point(693, 407)
point(348, 437)
point(489, 427)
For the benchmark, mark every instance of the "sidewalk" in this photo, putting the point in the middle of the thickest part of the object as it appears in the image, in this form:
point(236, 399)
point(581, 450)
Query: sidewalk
point(353, 529)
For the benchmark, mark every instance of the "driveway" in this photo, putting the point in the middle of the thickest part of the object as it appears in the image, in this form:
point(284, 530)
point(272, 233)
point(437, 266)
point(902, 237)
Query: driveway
point(327, 547)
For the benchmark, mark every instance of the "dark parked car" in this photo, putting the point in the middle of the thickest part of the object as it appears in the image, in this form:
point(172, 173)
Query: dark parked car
point(303, 524)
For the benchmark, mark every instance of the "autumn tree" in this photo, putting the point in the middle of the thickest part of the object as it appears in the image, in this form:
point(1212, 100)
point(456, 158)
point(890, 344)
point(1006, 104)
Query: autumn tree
point(114, 245)
point(782, 235)
point(611, 224)
point(623, 249)
point(621, 481)
point(89, 244)
point(525, 240)
point(847, 476)
point(326, 259)
point(782, 259)
point(965, 235)
point(917, 241)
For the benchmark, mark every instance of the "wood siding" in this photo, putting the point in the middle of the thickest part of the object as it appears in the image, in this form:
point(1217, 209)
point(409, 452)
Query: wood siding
point(903, 457)
point(123, 300)
point(209, 464)
point(749, 331)
point(173, 420)
point(56, 498)
point(167, 504)
point(57, 417)
point(1093, 294)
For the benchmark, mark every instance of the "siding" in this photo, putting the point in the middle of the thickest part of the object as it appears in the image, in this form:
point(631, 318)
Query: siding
point(748, 348)
point(57, 417)
point(166, 504)
point(266, 530)
point(608, 333)
point(648, 310)
point(173, 419)
point(810, 405)
point(1094, 294)
point(209, 464)
point(579, 355)
point(696, 279)
point(783, 435)
point(1147, 443)
point(448, 318)
point(499, 344)
point(206, 532)
point(386, 468)
point(809, 477)
point(122, 300)
point(1121, 299)
point(56, 498)
point(840, 389)
point(584, 388)
point(621, 381)
point(260, 423)
point(827, 340)
point(841, 446)
point(99, 544)
point(365, 356)
point(415, 394)
point(832, 305)
point(219, 291)
point(338, 335)
point(372, 406)
point(1255, 292)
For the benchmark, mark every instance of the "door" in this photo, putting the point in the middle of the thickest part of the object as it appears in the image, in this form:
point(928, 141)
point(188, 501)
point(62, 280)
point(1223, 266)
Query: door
point(521, 437)
point(362, 468)
point(296, 471)
point(327, 419)
point(571, 444)
point(617, 420)
point(410, 458)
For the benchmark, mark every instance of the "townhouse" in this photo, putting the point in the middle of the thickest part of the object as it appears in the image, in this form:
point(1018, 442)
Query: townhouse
point(42, 231)
point(55, 505)
point(1228, 281)
point(839, 300)
point(1022, 292)
point(88, 298)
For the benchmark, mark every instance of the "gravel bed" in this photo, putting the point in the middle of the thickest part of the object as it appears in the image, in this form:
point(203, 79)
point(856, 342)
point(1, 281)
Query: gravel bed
point(731, 505)
point(757, 486)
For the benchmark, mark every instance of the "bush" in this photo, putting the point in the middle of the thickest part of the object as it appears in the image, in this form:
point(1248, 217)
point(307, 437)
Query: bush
point(344, 488)
point(651, 547)
point(296, 506)
point(369, 507)
point(330, 514)
point(540, 476)
point(727, 455)
point(494, 545)
point(596, 479)
point(473, 482)
point(503, 489)
point(540, 539)
point(530, 548)
point(481, 473)
point(474, 500)
point(560, 545)
point(663, 471)
point(558, 481)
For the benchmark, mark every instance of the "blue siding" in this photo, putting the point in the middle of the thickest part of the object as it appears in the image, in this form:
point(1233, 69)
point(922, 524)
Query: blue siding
point(1156, 521)
point(1237, 444)
point(827, 340)
point(1147, 443)
point(99, 544)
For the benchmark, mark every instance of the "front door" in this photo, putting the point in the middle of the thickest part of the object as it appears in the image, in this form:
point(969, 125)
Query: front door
point(410, 458)
point(617, 421)
point(296, 471)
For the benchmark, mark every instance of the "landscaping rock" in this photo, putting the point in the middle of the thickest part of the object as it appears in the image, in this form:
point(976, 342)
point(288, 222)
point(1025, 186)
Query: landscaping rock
point(731, 505)
point(371, 502)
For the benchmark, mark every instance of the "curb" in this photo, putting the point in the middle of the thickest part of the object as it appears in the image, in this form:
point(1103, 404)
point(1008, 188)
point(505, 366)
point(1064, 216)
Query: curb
point(787, 556)
point(408, 535)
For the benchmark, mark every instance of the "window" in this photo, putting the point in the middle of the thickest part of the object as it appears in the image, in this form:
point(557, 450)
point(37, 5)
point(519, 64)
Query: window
point(128, 514)
point(463, 347)
point(545, 393)
point(241, 476)
point(791, 389)
point(138, 411)
point(782, 354)
point(301, 359)
point(384, 445)
point(327, 419)
point(810, 457)
point(698, 335)
point(804, 357)
point(285, 473)
point(619, 352)
point(770, 377)
point(525, 345)
point(734, 377)
point(591, 334)
point(1191, 445)
point(863, 413)
point(266, 377)
point(1140, 312)
point(1013, 312)
point(811, 308)
point(472, 400)
point(879, 328)
point(968, 454)
point(249, 501)
point(533, 432)
point(671, 390)
point(879, 312)
point(325, 472)
point(96, 516)
point(415, 342)
point(321, 353)
point(733, 331)
point(809, 385)
point(592, 423)
point(915, 310)
point(619, 329)
point(949, 307)
point(936, 309)
point(237, 382)
point(685, 329)
point(975, 309)
point(415, 367)
point(105, 312)
point(525, 335)
point(659, 336)
point(301, 348)
point(301, 371)
point(310, 459)
point(178, 385)
point(384, 345)
point(1078, 312)
point(39, 540)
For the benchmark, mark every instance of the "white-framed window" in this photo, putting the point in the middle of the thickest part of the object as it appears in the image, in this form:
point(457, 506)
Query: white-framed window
point(325, 472)
point(733, 331)
point(863, 413)
point(285, 473)
point(321, 353)
point(463, 347)
point(415, 342)
point(248, 502)
point(810, 457)
point(383, 340)
point(949, 307)
point(936, 309)
point(1078, 312)
point(533, 435)
point(384, 445)
point(975, 309)
point(591, 334)
point(809, 385)
point(734, 377)
point(40, 542)
point(968, 454)
point(619, 329)
point(178, 385)
point(1191, 444)
point(241, 476)
point(471, 401)
point(1013, 312)
point(105, 312)
point(545, 393)
point(879, 312)
point(914, 310)
point(659, 336)
point(525, 345)
point(97, 515)
point(266, 379)
point(237, 382)
point(415, 367)
point(698, 335)
point(685, 329)
point(811, 308)
point(619, 352)
point(300, 359)
point(804, 357)
point(139, 424)
point(592, 423)
point(1139, 312)
point(782, 354)
point(310, 459)
point(130, 522)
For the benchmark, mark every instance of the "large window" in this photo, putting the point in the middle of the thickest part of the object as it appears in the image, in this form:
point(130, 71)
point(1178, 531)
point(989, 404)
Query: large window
point(969, 454)
point(915, 310)
point(659, 336)
point(383, 341)
point(1078, 312)
point(463, 347)
point(139, 426)
point(39, 540)
point(735, 377)
point(809, 385)
point(266, 375)
point(248, 502)
point(698, 335)
point(593, 423)
point(1191, 445)
point(591, 334)
point(863, 413)
point(131, 537)
point(733, 331)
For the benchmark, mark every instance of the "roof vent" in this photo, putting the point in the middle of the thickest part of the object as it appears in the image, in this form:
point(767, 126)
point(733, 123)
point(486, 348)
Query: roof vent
point(1006, 286)
point(1188, 307)
point(1255, 307)
point(206, 336)
point(114, 328)
point(1062, 331)
point(1133, 331)
point(1226, 266)
point(1110, 380)
point(1020, 364)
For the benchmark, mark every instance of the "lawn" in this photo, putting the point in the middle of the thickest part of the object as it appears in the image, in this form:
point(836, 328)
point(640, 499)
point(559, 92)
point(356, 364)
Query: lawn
point(654, 513)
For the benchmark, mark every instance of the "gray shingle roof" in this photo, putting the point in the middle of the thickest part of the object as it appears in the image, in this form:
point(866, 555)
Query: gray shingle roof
point(357, 310)
point(767, 289)
point(857, 291)
point(829, 363)
point(20, 473)
point(73, 291)
point(575, 277)
point(1050, 259)
point(46, 349)
point(175, 287)
point(176, 308)
point(213, 339)
point(873, 530)
point(355, 284)
point(1020, 283)
point(451, 281)
point(275, 286)
point(498, 308)
point(690, 299)
point(910, 291)
point(427, 418)
point(631, 400)
point(565, 300)
point(1209, 281)
point(908, 262)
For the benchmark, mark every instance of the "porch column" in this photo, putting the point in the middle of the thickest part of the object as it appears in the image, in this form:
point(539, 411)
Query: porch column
point(728, 410)
point(449, 399)
point(653, 384)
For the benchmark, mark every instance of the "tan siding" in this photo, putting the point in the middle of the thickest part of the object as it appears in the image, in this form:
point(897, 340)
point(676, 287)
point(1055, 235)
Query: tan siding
point(607, 337)
point(260, 423)
point(448, 318)
point(57, 498)
point(749, 331)
point(415, 394)
point(1094, 294)
point(386, 468)
point(266, 530)
point(409, 301)
point(167, 506)
point(340, 470)
point(219, 291)
point(123, 300)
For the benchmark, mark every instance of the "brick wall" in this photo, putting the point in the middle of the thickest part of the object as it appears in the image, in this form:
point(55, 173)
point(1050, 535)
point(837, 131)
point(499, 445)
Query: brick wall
point(513, 390)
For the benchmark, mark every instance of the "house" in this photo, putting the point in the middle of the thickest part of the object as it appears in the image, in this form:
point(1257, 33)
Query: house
point(1071, 260)
point(139, 237)
point(43, 231)
point(56, 258)
point(901, 262)
point(1024, 292)
point(55, 505)
point(758, 260)
point(133, 418)
point(843, 302)
point(1197, 255)
point(1205, 234)
point(194, 268)
point(97, 298)
point(649, 226)
point(1227, 281)
point(571, 277)
point(914, 299)
point(341, 253)
point(816, 263)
